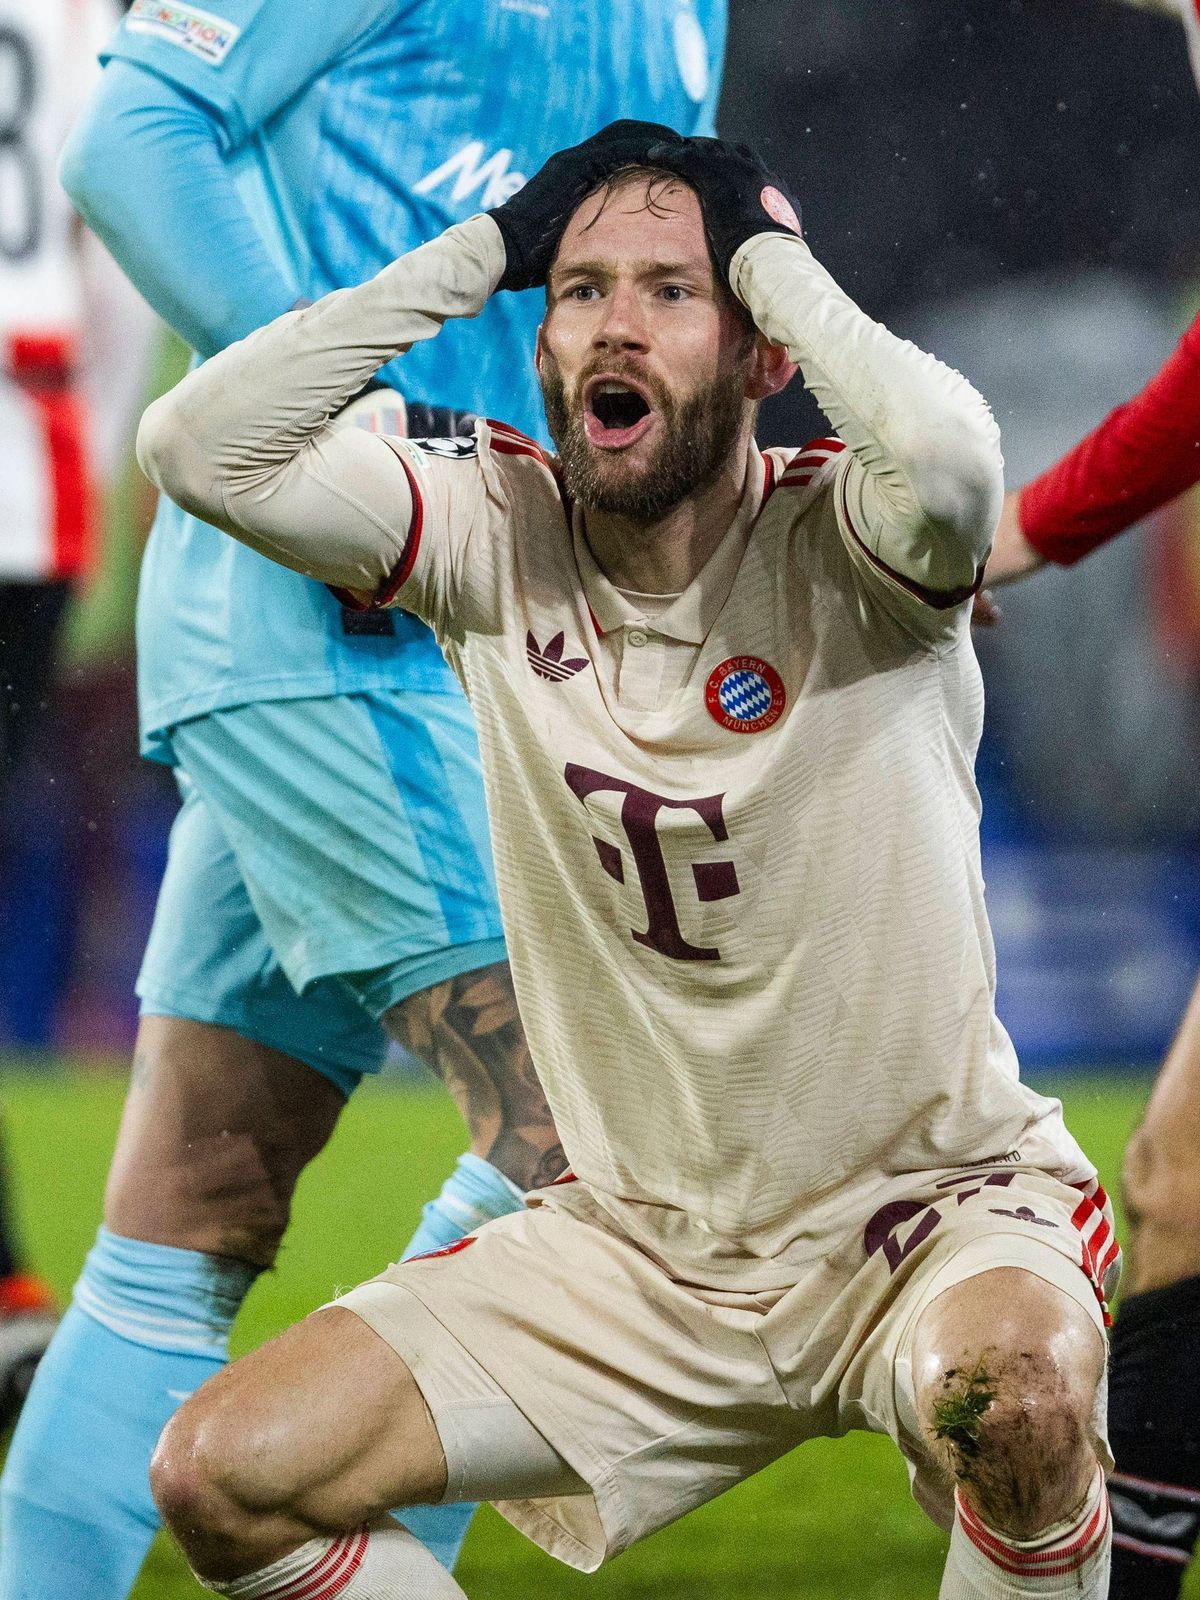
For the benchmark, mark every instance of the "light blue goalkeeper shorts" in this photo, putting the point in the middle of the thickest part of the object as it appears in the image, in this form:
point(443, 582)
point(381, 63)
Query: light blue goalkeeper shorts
point(330, 858)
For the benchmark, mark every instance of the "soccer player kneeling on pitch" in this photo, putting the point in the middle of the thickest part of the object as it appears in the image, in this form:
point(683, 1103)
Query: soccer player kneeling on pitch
point(727, 706)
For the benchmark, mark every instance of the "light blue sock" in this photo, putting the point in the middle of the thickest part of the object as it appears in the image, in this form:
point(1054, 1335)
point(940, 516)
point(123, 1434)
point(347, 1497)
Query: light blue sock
point(474, 1193)
point(149, 1323)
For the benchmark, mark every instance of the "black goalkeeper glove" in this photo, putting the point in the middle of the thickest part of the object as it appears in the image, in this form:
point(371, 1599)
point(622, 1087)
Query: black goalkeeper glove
point(739, 195)
point(533, 221)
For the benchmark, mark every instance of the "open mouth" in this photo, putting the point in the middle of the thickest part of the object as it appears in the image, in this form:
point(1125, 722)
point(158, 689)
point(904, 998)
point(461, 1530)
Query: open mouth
point(618, 407)
point(615, 413)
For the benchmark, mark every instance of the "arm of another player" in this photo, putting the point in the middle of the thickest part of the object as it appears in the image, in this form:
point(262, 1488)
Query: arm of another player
point(146, 164)
point(922, 492)
point(1142, 455)
point(1012, 554)
point(144, 168)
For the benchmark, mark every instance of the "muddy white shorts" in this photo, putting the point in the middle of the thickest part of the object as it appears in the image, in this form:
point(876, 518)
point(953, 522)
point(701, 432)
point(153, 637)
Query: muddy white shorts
point(595, 1399)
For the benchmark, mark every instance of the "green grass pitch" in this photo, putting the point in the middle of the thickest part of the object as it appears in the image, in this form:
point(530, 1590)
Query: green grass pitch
point(831, 1522)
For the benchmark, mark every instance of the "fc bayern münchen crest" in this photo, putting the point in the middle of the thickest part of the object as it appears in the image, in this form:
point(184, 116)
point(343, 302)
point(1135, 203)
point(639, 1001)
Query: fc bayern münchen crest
point(745, 694)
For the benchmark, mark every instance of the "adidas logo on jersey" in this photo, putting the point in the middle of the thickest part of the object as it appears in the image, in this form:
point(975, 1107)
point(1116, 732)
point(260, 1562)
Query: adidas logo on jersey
point(548, 663)
point(471, 173)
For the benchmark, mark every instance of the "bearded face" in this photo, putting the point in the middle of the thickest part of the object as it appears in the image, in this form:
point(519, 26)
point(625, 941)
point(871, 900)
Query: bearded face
point(645, 358)
point(607, 410)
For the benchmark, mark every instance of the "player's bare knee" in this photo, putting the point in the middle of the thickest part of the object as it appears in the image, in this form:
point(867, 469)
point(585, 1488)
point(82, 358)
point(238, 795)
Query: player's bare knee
point(224, 1481)
point(1007, 1369)
point(1016, 1436)
point(195, 1481)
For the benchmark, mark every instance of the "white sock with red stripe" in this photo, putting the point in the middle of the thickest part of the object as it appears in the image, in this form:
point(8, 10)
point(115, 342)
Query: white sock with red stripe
point(380, 1563)
point(1069, 1561)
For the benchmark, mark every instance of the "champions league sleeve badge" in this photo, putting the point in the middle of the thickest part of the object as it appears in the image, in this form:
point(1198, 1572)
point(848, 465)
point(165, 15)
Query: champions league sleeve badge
point(745, 695)
point(448, 449)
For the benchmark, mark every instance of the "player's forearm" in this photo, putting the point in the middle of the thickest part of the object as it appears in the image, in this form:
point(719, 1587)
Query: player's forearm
point(143, 166)
point(932, 485)
point(1142, 455)
point(244, 442)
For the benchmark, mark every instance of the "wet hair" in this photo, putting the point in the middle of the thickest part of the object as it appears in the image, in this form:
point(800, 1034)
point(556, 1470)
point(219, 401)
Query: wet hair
point(658, 179)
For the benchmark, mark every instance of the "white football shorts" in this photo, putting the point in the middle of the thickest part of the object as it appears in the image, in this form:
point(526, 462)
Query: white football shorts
point(594, 1398)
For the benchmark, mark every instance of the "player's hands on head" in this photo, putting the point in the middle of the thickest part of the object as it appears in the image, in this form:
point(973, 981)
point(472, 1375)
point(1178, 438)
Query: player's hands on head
point(532, 222)
point(739, 195)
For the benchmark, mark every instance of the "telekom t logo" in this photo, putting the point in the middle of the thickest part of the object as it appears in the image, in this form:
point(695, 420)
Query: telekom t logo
point(714, 880)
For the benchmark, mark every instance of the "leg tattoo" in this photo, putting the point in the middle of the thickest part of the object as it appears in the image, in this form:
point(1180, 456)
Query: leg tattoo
point(468, 1032)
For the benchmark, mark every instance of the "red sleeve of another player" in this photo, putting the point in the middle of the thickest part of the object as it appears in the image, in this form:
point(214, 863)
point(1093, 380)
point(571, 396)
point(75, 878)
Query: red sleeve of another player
point(1142, 455)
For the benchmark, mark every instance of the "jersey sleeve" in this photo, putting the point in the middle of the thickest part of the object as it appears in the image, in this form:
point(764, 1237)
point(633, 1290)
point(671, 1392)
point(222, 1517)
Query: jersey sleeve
point(454, 512)
point(247, 58)
point(250, 441)
point(918, 484)
point(1141, 456)
point(928, 613)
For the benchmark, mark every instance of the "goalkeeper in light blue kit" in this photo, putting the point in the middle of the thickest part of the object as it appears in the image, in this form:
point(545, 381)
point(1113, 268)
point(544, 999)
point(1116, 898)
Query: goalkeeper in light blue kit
point(329, 881)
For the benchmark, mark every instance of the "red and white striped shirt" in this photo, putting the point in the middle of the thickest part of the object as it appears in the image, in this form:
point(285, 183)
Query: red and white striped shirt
point(47, 512)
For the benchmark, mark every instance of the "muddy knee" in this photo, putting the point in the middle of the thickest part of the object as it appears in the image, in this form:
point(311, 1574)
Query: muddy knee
point(1006, 1370)
point(1015, 1437)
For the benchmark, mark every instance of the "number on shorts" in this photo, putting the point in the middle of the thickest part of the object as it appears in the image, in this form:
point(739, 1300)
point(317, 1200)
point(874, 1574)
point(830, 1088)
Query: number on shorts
point(882, 1232)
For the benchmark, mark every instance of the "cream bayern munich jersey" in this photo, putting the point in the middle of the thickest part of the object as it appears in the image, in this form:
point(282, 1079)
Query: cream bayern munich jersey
point(745, 916)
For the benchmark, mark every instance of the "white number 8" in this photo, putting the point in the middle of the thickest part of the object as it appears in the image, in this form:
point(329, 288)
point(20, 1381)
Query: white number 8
point(20, 191)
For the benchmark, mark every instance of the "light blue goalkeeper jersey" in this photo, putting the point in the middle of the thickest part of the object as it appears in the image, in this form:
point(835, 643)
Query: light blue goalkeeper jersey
point(355, 130)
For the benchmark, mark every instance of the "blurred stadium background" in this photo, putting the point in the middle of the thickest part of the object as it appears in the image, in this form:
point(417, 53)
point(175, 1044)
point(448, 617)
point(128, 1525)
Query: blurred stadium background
point(1014, 184)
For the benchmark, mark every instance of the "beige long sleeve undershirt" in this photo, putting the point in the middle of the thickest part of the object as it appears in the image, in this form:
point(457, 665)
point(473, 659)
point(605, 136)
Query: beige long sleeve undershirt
point(244, 441)
point(929, 498)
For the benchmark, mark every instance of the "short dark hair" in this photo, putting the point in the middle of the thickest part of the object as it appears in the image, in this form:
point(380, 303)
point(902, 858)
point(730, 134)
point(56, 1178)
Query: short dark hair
point(657, 179)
